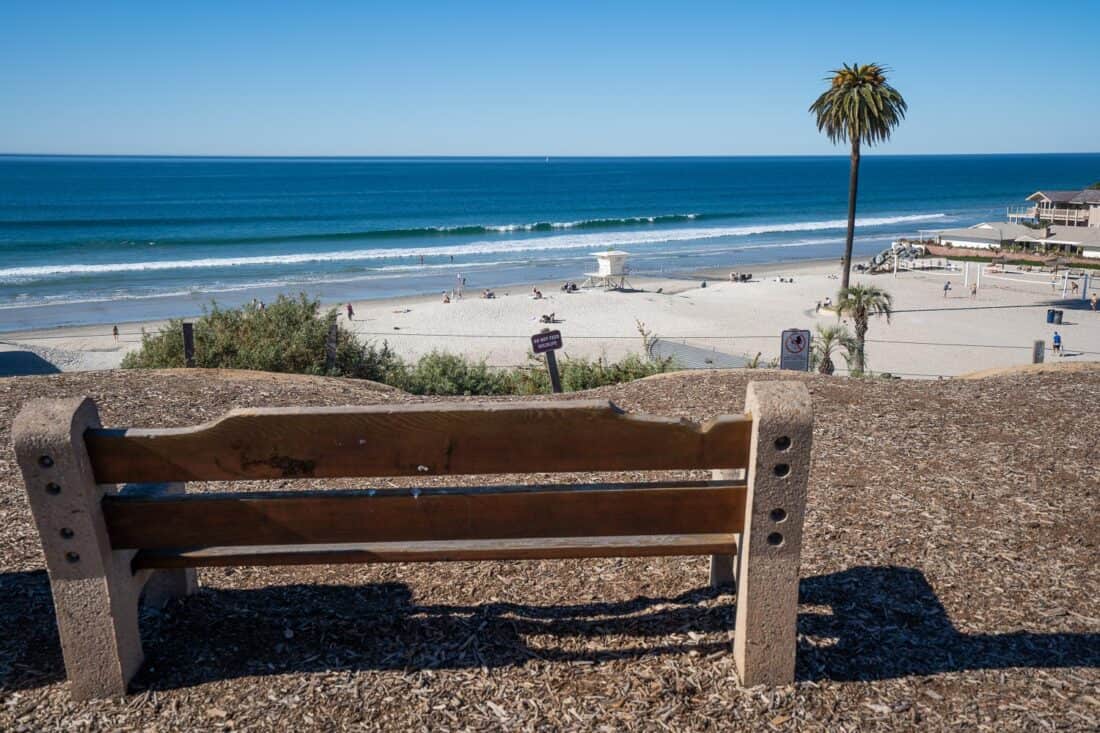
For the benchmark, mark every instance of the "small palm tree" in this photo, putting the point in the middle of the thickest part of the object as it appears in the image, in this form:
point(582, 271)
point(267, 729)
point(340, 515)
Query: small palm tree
point(829, 339)
point(858, 107)
point(861, 302)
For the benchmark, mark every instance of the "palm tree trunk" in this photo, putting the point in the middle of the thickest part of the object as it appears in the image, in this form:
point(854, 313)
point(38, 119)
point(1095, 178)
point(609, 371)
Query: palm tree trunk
point(861, 336)
point(853, 186)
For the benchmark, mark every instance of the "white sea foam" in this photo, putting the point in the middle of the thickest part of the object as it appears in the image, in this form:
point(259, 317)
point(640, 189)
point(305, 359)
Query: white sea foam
point(507, 246)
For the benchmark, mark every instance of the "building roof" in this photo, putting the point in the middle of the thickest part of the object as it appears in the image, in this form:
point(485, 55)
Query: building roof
point(1084, 196)
point(1076, 236)
point(997, 231)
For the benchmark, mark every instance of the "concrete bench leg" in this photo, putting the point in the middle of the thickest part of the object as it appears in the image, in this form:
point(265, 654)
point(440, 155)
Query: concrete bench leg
point(765, 636)
point(723, 568)
point(161, 586)
point(95, 593)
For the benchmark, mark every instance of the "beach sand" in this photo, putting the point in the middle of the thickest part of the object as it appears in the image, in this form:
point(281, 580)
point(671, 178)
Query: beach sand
point(928, 336)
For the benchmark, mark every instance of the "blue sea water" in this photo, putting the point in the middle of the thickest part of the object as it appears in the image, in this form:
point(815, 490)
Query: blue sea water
point(90, 239)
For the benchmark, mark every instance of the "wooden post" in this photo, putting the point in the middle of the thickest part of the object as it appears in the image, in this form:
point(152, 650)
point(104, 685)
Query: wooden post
point(95, 592)
point(1037, 349)
point(188, 344)
point(552, 367)
point(330, 348)
point(765, 635)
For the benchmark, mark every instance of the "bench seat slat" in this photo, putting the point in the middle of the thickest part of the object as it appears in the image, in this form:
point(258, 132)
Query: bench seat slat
point(444, 514)
point(530, 549)
point(410, 440)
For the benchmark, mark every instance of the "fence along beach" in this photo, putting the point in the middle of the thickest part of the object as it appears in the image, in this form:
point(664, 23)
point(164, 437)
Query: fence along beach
point(929, 335)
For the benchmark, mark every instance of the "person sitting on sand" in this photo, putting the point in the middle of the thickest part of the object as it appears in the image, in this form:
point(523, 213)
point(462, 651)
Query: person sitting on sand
point(536, 293)
point(446, 297)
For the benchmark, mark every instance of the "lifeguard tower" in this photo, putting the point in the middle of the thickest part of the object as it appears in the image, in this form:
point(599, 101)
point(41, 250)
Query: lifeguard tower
point(611, 271)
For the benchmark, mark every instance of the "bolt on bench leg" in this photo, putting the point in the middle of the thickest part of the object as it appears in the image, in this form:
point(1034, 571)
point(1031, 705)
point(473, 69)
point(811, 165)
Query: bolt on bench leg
point(765, 636)
point(95, 593)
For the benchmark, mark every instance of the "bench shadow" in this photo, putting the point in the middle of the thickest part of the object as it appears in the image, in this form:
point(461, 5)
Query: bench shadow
point(886, 622)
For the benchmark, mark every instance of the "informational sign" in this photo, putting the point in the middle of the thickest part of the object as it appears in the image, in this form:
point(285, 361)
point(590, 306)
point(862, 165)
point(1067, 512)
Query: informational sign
point(794, 351)
point(546, 341)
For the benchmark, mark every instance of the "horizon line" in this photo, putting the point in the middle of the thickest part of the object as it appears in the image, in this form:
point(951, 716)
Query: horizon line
point(429, 156)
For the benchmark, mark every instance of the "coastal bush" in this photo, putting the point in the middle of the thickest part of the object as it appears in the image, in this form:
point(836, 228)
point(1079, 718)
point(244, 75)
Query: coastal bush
point(580, 374)
point(440, 373)
point(289, 335)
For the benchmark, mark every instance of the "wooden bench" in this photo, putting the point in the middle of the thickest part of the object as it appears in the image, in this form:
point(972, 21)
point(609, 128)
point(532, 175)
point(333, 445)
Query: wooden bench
point(116, 525)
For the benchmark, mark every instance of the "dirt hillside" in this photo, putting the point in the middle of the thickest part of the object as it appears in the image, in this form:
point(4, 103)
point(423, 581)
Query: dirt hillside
point(950, 581)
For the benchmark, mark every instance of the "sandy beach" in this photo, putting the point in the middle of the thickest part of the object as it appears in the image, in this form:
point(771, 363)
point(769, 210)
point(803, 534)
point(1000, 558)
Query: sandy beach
point(929, 335)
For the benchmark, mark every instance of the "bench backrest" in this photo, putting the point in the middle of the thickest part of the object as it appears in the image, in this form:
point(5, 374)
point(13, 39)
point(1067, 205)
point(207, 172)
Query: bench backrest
point(124, 486)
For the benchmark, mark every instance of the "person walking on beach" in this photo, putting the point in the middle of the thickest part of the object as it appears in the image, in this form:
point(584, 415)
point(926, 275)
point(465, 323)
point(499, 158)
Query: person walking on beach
point(351, 312)
point(1057, 343)
point(946, 288)
point(973, 290)
point(114, 330)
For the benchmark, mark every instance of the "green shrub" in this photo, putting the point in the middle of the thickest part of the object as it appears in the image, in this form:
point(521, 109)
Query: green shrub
point(290, 335)
point(580, 374)
point(440, 373)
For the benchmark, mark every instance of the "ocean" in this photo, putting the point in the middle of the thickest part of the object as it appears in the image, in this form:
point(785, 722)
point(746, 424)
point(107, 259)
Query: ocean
point(101, 240)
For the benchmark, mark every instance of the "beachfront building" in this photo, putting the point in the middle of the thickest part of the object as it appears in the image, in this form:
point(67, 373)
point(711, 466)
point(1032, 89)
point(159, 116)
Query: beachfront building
point(1062, 208)
point(987, 235)
point(1080, 241)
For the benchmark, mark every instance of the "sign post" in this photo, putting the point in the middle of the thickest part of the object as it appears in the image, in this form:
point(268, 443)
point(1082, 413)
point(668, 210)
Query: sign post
point(547, 342)
point(188, 344)
point(794, 350)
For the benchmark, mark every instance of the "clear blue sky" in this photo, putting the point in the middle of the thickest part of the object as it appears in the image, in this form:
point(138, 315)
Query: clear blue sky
point(542, 78)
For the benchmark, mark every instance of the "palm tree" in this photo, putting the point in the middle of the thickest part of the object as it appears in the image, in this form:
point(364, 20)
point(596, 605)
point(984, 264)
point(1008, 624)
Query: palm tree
point(861, 302)
point(828, 340)
point(858, 107)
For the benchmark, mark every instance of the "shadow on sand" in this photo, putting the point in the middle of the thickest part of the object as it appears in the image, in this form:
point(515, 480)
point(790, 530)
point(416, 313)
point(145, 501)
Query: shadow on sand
point(23, 363)
point(885, 623)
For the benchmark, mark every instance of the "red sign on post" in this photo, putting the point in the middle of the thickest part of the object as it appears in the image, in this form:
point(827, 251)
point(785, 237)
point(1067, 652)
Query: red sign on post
point(795, 350)
point(546, 341)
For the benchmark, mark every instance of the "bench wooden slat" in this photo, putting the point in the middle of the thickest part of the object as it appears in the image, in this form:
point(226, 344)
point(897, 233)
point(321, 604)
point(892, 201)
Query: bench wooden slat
point(447, 514)
point(537, 549)
point(408, 440)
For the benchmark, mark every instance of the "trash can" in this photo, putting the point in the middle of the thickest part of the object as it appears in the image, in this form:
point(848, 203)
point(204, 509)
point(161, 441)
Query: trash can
point(1058, 317)
point(1050, 315)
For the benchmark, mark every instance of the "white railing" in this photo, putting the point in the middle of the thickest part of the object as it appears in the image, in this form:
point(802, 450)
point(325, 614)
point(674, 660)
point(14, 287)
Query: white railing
point(1053, 214)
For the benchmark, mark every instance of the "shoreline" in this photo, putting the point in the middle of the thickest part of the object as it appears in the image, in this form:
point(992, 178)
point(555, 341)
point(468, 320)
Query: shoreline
point(929, 335)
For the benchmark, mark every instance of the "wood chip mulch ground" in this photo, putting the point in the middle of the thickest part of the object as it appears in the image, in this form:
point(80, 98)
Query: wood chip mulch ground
point(950, 582)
